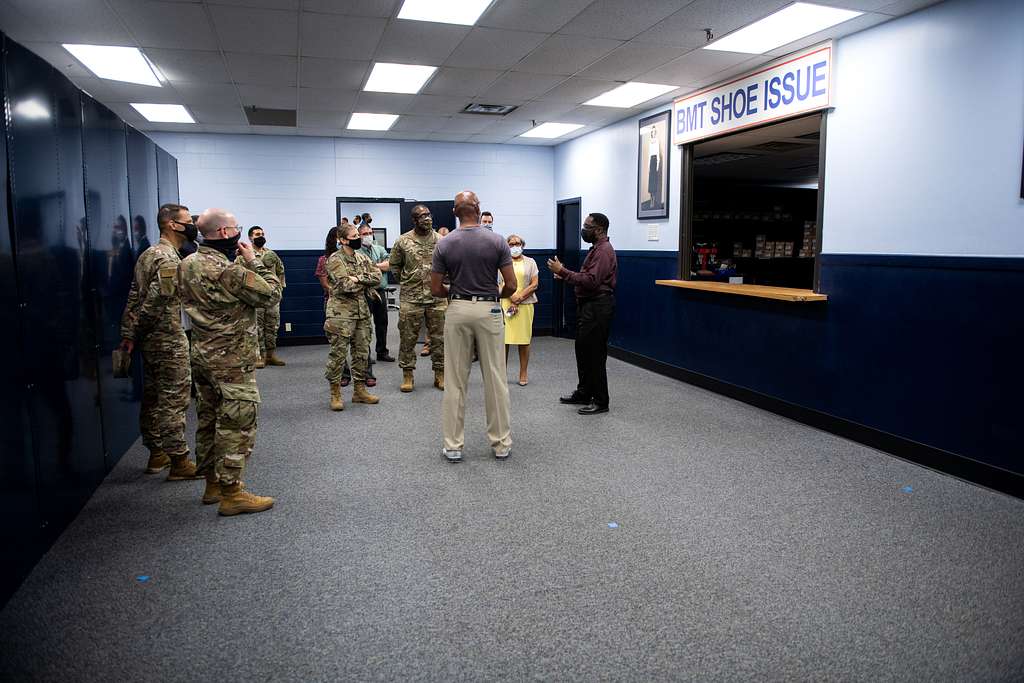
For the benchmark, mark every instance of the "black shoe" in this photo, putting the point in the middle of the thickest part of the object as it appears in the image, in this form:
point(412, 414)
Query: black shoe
point(574, 399)
point(592, 409)
point(385, 357)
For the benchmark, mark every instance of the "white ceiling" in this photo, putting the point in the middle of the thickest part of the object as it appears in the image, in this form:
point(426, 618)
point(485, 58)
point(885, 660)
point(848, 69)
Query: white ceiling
point(545, 56)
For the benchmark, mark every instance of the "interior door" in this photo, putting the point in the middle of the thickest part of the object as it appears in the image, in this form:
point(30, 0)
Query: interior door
point(568, 250)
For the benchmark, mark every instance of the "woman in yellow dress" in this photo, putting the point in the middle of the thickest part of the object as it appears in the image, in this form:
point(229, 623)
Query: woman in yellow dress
point(519, 307)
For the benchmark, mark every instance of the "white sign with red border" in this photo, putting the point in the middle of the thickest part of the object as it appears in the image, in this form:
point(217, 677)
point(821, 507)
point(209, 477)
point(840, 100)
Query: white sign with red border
point(794, 85)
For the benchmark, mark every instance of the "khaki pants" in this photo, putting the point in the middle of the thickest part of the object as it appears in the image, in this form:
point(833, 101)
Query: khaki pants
point(481, 322)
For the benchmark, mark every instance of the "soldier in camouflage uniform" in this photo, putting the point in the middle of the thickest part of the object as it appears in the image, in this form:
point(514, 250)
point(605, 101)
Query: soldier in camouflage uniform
point(221, 298)
point(411, 259)
point(352, 277)
point(268, 320)
point(152, 320)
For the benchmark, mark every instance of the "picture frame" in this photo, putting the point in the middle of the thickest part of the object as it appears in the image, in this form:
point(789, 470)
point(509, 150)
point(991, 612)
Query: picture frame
point(653, 164)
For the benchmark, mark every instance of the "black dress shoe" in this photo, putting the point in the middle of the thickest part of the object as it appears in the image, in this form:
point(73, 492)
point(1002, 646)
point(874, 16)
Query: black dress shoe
point(592, 409)
point(574, 399)
point(385, 358)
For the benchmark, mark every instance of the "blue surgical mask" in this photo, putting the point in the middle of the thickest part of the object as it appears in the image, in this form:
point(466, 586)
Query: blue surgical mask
point(516, 250)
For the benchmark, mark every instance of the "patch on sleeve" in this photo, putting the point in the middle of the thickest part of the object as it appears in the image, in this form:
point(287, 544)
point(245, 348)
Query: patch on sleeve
point(256, 283)
point(168, 282)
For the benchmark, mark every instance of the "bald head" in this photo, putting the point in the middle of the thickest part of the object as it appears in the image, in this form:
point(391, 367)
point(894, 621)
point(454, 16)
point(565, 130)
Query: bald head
point(467, 208)
point(212, 220)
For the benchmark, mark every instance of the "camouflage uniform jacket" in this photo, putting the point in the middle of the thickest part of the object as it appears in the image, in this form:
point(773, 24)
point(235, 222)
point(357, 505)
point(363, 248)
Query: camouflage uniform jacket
point(411, 259)
point(273, 262)
point(154, 305)
point(221, 298)
point(348, 298)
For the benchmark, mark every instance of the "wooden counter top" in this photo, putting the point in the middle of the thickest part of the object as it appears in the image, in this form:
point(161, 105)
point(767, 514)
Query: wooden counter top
point(759, 291)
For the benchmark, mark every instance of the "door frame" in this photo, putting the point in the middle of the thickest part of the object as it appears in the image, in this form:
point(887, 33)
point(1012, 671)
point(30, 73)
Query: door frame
point(559, 289)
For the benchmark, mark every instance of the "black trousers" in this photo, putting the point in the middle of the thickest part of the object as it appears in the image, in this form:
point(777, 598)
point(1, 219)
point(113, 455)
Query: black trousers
point(379, 311)
point(593, 323)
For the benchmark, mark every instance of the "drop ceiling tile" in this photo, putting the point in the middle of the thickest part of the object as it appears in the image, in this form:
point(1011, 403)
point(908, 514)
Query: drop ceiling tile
point(217, 114)
point(167, 24)
point(190, 66)
point(262, 31)
point(577, 90)
point(205, 93)
point(448, 137)
point(541, 111)
point(596, 116)
point(332, 73)
point(467, 123)
point(566, 54)
point(262, 69)
point(269, 96)
point(323, 119)
point(399, 135)
point(340, 37)
point(419, 42)
point(127, 114)
point(60, 59)
point(618, 19)
point(686, 27)
point(531, 15)
point(438, 104)
point(693, 67)
point(631, 60)
point(516, 86)
point(356, 8)
point(84, 21)
point(508, 128)
point(488, 139)
point(907, 6)
point(419, 124)
point(491, 48)
point(466, 82)
point(861, 23)
point(260, 4)
point(327, 99)
point(383, 103)
point(113, 91)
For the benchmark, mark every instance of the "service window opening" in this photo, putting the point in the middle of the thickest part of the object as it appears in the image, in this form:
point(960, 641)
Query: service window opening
point(755, 206)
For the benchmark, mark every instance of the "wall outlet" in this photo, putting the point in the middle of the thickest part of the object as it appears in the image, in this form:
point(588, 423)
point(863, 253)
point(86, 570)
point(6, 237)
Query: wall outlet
point(287, 327)
point(652, 232)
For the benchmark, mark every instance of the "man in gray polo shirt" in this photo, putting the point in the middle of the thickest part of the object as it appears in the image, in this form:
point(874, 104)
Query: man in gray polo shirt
point(469, 257)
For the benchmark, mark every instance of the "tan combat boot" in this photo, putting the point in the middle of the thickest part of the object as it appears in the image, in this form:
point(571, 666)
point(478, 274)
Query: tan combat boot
point(336, 402)
point(211, 494)
point(407, 383)
point(439, 379)
point(182, 469)
point(157, 463)
point(235, 500)
point(361, 395)
point(261, 361)
point(272, 359)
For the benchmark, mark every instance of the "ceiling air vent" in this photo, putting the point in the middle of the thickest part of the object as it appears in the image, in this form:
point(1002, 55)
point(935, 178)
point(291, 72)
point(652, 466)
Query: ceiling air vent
point(489, 109)
point(722, 158)
point(258, 116)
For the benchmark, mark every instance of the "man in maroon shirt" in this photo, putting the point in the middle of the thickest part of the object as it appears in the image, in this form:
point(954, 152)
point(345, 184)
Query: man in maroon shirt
point(595, 308)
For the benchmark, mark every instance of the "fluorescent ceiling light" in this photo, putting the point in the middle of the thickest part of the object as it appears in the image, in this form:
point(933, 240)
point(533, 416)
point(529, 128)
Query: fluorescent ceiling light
point(788, 24)
point(361, 121)
point(31, 110)
point(551, 130)
point(630, 94)
point(124, 64)
point(164, 113)
point(464, 12)
point(400, 78)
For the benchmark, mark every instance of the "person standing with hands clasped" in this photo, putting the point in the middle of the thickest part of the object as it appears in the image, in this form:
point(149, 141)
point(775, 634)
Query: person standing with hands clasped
point(470, 256)
point(595, 308)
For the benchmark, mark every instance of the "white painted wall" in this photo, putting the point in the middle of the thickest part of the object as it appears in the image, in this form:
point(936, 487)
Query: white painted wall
point(289, 184)
point(924, 146)
point(923, 150)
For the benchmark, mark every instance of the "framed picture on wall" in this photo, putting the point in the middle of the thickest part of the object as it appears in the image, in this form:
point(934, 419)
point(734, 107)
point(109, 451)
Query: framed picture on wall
point(652, 166)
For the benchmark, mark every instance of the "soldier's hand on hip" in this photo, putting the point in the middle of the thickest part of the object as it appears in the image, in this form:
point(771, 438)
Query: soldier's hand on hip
point(246, 252)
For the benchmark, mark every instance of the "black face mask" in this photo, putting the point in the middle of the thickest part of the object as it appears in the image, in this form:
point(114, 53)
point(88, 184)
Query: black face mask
point(228, 247)
point(356, 244)
point(259, 242)
point(187, 249)
point(425, 225)
point(190, 232)
point(587, 235)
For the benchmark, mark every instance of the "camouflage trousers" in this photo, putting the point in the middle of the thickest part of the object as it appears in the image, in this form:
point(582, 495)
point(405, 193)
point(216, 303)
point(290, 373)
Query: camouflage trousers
point(166, 393)
point(410, 319)
point(268, 321)
point(347, 335)
point(228, 402)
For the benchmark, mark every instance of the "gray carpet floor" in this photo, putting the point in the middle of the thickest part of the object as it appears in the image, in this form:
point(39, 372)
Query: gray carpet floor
point(682, 536)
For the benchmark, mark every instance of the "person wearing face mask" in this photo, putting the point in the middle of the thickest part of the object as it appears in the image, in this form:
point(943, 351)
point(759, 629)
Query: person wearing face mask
point(352, 277)
point(378, 305)
point(268, 320)
point(152, 320)
point(487, 220)
point(595, 308)
point(221, 293)
point(518, 308)
point(410, 262)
